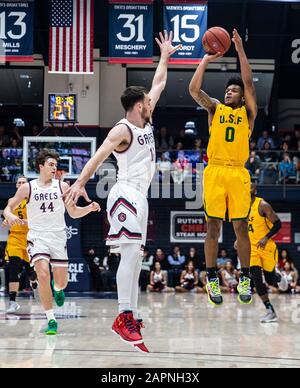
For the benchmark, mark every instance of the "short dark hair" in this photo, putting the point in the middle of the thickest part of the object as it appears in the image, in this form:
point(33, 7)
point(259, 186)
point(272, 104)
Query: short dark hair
point(236, 81)
point(132, 95)
point(42, 157)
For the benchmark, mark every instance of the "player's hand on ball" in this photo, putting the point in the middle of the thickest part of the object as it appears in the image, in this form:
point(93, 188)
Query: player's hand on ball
point(237, 40)
point(165, 44)
point(95, 207)
point(212, 57)
point(262, 243)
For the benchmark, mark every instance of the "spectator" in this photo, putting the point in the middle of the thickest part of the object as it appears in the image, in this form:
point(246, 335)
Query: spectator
point(198, 145)
point(268, 155)
point(195, 258)
point(4, 138)
point(295, 140)
point(158, 281)
point(14, 143)
point(287, 169)
point(164, 165)
point(16, 135)
point(109, 271)
point(253, 165)
point(180, 167)
point(265, 137)
point(284, 257)
point(146, 269)
point(164, 141)
point(181, 138)
point(179, 146)
point(176, 262)
point(230, 278)
point(93, 262)
point(253, 145)
point(160, 256)
point(285, 146)
point(222, 259)
point(189, 280)
point(292, 278)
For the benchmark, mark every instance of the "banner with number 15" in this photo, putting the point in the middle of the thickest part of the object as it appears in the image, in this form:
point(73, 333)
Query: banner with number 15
point(188, 21)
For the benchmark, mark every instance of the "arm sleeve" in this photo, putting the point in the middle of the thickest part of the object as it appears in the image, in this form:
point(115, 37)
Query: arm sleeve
point(275, 229)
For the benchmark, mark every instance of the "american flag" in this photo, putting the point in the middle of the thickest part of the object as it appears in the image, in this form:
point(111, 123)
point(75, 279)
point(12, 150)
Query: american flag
point(71, 36)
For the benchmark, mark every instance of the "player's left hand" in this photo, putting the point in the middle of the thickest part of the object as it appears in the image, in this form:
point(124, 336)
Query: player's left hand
point(95, 207)
point(262, 243)
point(237, 40)
point(165, 44)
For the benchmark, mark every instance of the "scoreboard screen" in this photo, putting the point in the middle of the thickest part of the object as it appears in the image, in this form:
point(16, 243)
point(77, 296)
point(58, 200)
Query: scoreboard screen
point(62, 108)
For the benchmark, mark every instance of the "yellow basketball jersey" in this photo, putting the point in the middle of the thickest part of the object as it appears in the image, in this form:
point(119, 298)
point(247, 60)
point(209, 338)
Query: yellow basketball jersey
point(258, 226)
point(20, 212)
point(229, 135)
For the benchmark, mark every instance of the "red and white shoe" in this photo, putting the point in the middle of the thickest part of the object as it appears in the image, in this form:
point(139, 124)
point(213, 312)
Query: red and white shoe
point(140, 347)
point(125, 325)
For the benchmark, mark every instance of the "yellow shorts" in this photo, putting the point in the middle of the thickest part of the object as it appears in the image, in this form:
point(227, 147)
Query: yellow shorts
point(265, 258)
point(17, 246)
point(226, 188)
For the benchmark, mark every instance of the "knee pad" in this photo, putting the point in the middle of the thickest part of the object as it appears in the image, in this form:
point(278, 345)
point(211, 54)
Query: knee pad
point(30, 272)
point(256, 275)
point(14, 269)
point(272, 278)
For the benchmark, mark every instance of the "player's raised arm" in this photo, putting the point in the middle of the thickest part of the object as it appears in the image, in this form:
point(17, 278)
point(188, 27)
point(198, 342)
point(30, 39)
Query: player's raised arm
point(160, 77)
point(21, 194)
point(246, 72)
point(117, 136)
point(195, 86)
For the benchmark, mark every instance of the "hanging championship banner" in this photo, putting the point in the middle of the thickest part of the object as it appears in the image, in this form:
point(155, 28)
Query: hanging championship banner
point(16, 31)
point(131, 31)
point(188, 21)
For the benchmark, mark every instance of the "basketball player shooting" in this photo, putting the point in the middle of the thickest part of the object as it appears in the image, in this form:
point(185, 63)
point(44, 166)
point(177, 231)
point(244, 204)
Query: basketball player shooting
point(132, 143)
point(226, 181)
point(46, 239)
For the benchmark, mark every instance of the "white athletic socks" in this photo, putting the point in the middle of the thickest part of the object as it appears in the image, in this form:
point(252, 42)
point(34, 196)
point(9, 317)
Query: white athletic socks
point(50, 315)
point(57, 289)
point(126, 277)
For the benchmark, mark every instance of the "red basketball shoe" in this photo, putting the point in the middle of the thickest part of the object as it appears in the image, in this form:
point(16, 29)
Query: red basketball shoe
point(126, 327)
point(140, 347)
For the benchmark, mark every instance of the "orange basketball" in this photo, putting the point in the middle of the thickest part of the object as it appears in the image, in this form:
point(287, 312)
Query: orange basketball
point(216, 39)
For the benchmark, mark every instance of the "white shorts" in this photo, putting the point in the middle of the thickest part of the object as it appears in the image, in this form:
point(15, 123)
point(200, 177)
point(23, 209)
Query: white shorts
point(127, 213)
point(49, 246)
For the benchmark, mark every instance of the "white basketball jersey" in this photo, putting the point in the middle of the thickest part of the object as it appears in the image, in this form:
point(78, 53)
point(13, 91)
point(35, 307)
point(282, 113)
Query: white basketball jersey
point(137, 164)
point(46, 208)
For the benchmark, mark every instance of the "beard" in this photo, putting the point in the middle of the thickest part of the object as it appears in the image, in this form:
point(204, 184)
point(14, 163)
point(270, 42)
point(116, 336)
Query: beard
point(145, 116)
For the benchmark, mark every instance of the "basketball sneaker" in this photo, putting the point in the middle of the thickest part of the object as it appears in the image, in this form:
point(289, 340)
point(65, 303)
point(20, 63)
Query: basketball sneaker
point(52, 328)
point(59, 296)
point(126, 326)
point(13, 307)
point(244, 290)
point(214, 293)
point(270, 317)
point(140, 347)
